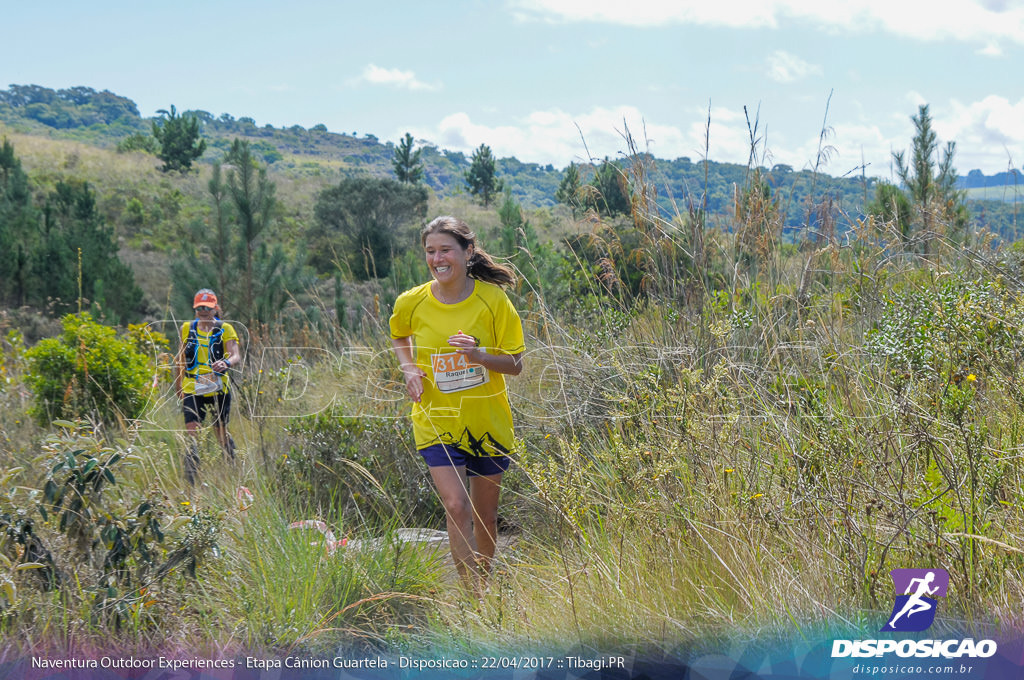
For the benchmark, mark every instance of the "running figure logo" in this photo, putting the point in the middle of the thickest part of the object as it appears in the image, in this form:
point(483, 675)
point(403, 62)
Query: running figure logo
point(914, 609)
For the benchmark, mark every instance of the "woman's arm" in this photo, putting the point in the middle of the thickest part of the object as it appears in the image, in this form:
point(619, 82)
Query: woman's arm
point(179, 372)
point(468, 346)
point(407, 361)
point(232, 357)
point(178, 368)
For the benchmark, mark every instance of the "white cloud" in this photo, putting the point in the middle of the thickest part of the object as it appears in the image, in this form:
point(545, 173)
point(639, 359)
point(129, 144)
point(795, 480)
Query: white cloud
point(855, 148)
point(394, 77)
point(784, 67)
point(989, 135)
point(965, 20)
point(558, 137)
point(646, 12)
point(915, 99)
point(991, 123)
point(992, 49)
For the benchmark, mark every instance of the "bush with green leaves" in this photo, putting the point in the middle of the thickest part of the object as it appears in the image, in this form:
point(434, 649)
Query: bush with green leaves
point(88, 371)
point(368, 465)
point(109, 550)
point(950, 328)
point(138, 141)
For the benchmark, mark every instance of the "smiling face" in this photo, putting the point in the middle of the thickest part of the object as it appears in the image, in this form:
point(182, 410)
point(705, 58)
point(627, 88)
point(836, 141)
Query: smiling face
point(446, 258)
point(205, 313)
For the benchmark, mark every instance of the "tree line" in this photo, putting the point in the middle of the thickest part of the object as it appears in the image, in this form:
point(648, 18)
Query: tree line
point(58, 253)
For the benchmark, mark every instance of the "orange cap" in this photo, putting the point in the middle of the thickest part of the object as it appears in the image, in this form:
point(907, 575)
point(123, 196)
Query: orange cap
point(204, 298)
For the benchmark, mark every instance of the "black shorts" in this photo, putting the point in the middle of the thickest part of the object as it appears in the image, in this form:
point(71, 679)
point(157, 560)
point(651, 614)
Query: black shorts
point(218, 403)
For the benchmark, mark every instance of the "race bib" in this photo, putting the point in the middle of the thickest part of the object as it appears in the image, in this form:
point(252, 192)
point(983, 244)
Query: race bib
point(454, 373)
point(207, 383)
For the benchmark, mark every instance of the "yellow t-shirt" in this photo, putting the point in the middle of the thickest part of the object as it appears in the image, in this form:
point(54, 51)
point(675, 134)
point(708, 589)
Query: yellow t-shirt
point(462, 405)
point(203, 361)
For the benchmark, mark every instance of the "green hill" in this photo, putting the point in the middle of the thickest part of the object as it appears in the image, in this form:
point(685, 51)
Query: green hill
point(104, 119)
point(74, 135)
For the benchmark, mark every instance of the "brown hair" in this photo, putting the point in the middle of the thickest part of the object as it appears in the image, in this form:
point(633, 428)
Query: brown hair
point(481, 265)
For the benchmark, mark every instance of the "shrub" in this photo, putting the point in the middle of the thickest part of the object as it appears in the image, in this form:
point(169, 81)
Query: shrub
point(87, 371)
point(138, 142)
point(113, 548)
point(368, 464)
point(957, 326)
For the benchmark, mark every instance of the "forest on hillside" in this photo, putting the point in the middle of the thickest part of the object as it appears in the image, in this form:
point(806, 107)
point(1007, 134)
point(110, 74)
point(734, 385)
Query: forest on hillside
point(95, 182)
point(105, 119)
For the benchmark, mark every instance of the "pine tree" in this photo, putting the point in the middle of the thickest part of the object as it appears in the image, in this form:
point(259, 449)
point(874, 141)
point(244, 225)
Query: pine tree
point(608, 190)
point(568, 191)
point(179, 139)
point(407, 165)
point(236, 250)
point(510, 214)
point(932, 191)
point(18, 218)
point(253, 197)
point(892, 206)
point(77, 258)
point(220, 243)
point(516, 236)
point(481, 178)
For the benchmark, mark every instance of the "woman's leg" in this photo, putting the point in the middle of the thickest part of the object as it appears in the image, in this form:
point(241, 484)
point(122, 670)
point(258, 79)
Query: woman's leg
point(227, 443)
point(451, 486)
point(191, 452)
point(193, 414)
point(483, 493)
point(220, 425)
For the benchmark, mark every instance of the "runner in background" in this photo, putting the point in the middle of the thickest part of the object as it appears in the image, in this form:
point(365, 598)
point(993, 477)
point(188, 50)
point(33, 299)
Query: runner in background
point(456, 338)
point(209, 347)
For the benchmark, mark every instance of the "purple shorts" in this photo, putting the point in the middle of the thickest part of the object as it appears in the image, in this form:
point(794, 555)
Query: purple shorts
point(476, 466)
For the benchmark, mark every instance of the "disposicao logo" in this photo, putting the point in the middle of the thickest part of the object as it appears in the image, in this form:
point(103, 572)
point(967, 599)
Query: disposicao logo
point(914, 610)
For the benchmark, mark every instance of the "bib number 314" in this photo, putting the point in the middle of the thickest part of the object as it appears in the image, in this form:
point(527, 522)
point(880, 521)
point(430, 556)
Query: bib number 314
point(453, 373)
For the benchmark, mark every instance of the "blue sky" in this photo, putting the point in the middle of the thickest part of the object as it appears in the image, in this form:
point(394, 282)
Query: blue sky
point(554, 81)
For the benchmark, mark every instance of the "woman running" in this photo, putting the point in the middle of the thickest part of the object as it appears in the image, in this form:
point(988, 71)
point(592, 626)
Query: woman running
point(456, 338)
point(209, 347)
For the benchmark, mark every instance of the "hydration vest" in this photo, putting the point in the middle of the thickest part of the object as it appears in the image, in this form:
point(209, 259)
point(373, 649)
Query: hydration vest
point(216, 347)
